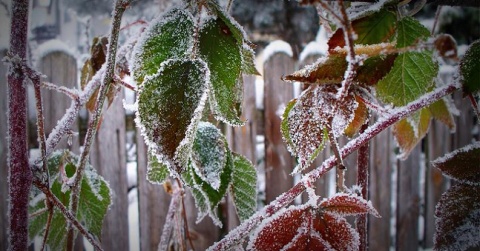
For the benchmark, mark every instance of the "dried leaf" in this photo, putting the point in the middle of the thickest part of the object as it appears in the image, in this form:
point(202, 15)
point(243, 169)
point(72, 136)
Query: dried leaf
point(360, 118)
point(408, 135)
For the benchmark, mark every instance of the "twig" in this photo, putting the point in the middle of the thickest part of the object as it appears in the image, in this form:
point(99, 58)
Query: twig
point(235, 236)
point(340, 166)
point(362, 180)
point(48, 225)
point(185, 219)
point(229, 5)
point(437, 16)
point(119, 81)
point(61, 89)
point(120, 7)
point(168, 226)
point(67, 214)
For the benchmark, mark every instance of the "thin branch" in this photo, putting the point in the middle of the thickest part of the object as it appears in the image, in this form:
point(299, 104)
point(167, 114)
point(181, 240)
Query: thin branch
point(236, 235)
point(119, 81)
point(437, 16)
point(229, 5)
point(67, 214)
point(61, 89)
point(120, 7)
point(48, 225)
point(168, 226)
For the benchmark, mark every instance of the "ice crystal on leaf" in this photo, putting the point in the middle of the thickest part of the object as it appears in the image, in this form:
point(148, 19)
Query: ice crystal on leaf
point(244, 187)
point(157, 172)
point(462, 164)
point(222, 52)
point(170, 105)
point(95, 199)
point(168, 36)
point(458, 218)
point(343, 204)
point(304, 228)
point(209, 154)
point(307, 120)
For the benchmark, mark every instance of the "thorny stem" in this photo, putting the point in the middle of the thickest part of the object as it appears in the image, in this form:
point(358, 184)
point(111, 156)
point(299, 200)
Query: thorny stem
point(475, 106)
point(120, 7)
point(329, 10)
point(68, 214)
point(362, 180)
point(185, 219)
point(48, 225)
point(435, 21)
point(235, 236)
point(340, 166)
point(61, 89)
point(168, 226)
point(119, 81)
point(20, 175)
point(35, 78)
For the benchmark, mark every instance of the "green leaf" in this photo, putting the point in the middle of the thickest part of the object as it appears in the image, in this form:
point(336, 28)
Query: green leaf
point(462, 164)
point(169, 36)
point(284, 126)
point(157, 172)
point(375, 28)
point(244, 187)
point(209, 154)
point(219, 48)
point(412, 76)
point(248, 61)
point(470, 69)
point(410, 31)
point(170, 105)
point(458, 218)
point(206, 197)
point(233, 26)
point(95, 199)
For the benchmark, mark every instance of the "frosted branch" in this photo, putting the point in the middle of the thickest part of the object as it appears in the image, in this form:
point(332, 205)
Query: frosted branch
point(169, 219)
point(61, 89)
point(236, 235)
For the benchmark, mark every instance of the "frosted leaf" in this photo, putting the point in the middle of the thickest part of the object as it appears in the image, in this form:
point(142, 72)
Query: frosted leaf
point(209, 153)
point(306, 123)
point(406, 136)
point(170, 105)
point(206, 197)
point(168, 36)
point(410, 31)
point(343, 204)
point(469, 69)
point(304, 228)
point(95, 199)
point(462, 164)
point(458, 218)
point(157, 172)
point(244, 187)
point(220, 50)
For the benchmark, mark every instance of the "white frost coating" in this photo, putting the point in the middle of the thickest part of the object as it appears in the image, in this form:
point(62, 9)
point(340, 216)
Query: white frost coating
point(448, 156)
point(277, 46)
point(50, 46)
point(370, 8)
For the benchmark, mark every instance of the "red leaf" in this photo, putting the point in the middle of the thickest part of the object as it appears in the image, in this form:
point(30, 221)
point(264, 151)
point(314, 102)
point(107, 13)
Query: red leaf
point(304, 228)
point(458, 218)
point(343, 204)
point(462, 164)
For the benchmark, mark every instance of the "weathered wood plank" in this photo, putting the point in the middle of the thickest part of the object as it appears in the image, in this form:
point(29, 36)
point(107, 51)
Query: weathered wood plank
point(380, 190)
point(108, 156)
point(278, 161)
point(408, 201)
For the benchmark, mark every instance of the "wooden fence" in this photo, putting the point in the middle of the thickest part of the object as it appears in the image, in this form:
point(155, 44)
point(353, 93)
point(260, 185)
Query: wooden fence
point(404, 193)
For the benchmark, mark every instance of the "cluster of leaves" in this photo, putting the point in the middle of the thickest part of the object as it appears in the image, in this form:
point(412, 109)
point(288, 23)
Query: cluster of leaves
point(457, 213)
point(186, 68)
point(395, 63)
point(95, 199)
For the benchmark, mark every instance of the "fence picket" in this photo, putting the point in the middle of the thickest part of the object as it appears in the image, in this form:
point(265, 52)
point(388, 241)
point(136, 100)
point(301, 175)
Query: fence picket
point(3, 154)
point(278, 162)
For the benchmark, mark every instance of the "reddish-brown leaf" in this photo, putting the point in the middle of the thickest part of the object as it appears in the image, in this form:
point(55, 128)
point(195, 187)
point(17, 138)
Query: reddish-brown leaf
point(406, 137)
point(462, 164)
point(360, 118)
point(446, 46)
point(304, 228)
point(458, 218)
point(343, 204)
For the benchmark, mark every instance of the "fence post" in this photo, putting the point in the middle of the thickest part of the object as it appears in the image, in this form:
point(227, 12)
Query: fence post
point(380, 187)
point(108, 156)
point(278, 161)
point(3, 155)
point(408, 202)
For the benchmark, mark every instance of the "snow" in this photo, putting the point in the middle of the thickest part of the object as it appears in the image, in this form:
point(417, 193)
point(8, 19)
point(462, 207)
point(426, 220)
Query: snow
point(53, 45)
point(313, 49)
point(277, 46)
